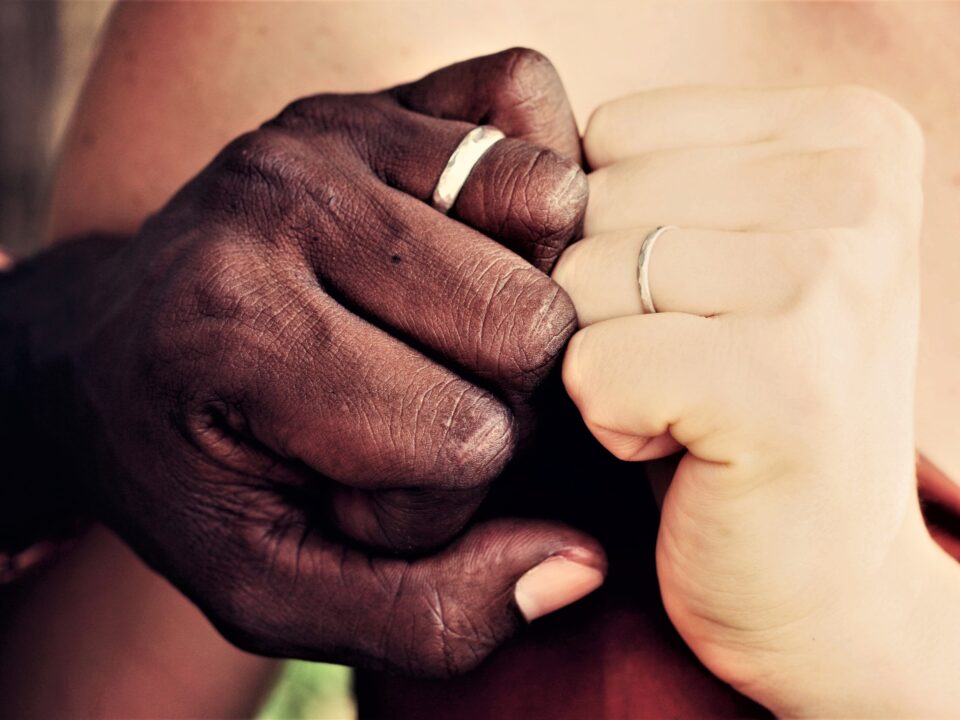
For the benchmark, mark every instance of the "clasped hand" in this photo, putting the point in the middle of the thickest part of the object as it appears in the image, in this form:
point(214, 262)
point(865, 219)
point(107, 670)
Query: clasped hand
point(792, 555)
point(298, 369)
point(299, 378)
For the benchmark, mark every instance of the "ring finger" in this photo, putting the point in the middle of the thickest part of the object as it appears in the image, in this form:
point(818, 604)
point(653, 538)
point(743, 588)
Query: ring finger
point(690, 270)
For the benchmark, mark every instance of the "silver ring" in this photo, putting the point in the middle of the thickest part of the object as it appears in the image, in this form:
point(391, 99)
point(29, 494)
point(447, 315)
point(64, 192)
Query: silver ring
point(461, 163)
point(643, 267)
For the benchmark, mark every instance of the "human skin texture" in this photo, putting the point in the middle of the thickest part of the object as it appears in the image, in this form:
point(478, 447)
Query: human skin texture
point(137, 138)
point(298, 377)
point(792, 555)
point(175, 81)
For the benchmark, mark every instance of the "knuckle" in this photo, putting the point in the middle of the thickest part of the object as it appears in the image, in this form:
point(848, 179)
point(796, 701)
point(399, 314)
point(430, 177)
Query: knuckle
point(347, 126)
point(536, 319)
point(557, 203)
point(200, 318)
point(904, 130)
point(890, 115)
point(875, 192)
point(832, 264)
point(261, 177)
point(525, 81)
point(827, 249)
point(567, 270)
point(889, 166)
point(529, 68)
point(597, 135)
point(314, 112)
point(540, 197)
point(225, 278)
point(525, 91)
point(827, 266)
point(868, 271)
point(249, 145)
point(258, 153)
point(859, 190)
point(573, 372)
point(479, 436)
point(841, 308)
point(880, 120)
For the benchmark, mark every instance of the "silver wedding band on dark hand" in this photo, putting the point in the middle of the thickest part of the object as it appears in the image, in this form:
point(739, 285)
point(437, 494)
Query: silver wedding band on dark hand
point(461, 163)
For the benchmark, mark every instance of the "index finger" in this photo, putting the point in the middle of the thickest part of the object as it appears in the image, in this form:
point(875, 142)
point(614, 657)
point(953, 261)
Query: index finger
point(699, 117)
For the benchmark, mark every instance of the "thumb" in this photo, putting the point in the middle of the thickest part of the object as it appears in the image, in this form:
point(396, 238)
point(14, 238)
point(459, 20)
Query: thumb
point(503, 574)
point(518, 90)
point(436, 616)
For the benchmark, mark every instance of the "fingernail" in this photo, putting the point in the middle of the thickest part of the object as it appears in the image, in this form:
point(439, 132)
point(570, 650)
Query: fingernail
point(553, 584)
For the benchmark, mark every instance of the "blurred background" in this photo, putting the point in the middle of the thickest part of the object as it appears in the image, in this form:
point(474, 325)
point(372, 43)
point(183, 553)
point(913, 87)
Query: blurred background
point(46, 47)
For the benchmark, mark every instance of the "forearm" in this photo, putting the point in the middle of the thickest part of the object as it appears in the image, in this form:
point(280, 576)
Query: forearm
point(29, 507)
point(131, 645)
point(44, 306)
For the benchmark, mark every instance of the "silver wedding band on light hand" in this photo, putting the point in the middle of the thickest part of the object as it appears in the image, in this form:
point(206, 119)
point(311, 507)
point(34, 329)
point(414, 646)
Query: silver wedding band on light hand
point(643, 267)
point(461, 163)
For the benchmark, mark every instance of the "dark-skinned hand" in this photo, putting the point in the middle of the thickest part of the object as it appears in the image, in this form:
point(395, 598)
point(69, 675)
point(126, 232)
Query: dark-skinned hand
point(293, 387)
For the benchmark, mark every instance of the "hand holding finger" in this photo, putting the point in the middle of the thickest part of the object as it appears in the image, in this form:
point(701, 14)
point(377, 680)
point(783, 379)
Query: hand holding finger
point(298, 353)
point(780, 356)
point(437, 616)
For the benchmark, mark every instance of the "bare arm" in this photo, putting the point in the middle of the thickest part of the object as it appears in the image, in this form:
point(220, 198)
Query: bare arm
point(100, 635)
point(174, 82)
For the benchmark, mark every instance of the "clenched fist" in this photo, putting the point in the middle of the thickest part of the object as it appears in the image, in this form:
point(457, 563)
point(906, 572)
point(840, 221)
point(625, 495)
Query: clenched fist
point(792, 555)
point(298, 361)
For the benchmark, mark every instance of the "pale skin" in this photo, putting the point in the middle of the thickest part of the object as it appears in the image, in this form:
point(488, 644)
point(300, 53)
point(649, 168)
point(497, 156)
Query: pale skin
point(226, 62)
point(792, 554)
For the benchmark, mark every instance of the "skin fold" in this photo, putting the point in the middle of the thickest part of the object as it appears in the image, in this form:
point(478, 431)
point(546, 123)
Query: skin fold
point(297, 363)
point(791, 554)
point(226, 76)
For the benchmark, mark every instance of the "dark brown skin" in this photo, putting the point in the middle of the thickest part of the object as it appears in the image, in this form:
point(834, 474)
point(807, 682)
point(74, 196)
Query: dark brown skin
point(299, 378)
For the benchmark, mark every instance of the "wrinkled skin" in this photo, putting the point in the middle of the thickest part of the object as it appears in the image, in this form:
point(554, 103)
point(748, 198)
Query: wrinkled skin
point(299, 380)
